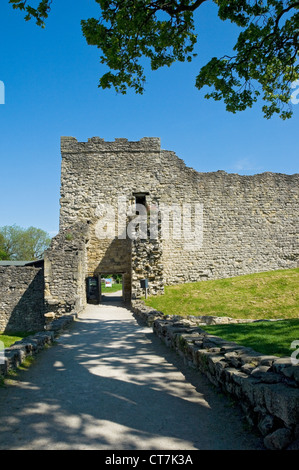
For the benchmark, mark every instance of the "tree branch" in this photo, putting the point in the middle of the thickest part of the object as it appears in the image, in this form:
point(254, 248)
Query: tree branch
point(286, 10)
point(171, 10)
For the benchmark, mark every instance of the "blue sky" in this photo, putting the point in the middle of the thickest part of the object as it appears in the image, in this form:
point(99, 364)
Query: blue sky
point(51, 89)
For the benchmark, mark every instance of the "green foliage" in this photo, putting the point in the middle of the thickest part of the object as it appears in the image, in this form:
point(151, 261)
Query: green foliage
point(40, 13)
point(265, 60)
point(129, 30)
point(3, 254)
point(266, 55)
point(69, 236)
point(23, 244)
point(117, 278)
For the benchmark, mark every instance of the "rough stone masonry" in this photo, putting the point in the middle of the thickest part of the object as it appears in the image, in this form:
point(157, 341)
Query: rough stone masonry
point(247, 224)
point(21, 298)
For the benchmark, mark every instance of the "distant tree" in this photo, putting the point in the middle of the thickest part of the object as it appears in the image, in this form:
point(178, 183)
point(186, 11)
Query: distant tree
point(3, 254)
point(117, 278)
point(17, 243)
point(264, 61)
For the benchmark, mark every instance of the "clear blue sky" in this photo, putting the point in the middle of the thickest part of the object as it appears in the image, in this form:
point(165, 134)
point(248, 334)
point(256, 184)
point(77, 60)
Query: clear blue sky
point(51, 89)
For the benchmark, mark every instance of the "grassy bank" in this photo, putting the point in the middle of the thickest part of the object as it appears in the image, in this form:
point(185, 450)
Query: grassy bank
point(270, 295)
point(274, 338)
point(273, 294)
point(8, 340)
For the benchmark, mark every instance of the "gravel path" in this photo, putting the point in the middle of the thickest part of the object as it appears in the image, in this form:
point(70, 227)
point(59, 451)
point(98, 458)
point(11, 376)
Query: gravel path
point(110, 384)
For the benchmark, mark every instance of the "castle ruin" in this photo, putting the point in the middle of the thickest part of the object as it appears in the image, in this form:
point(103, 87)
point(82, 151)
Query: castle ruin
point(194, 226)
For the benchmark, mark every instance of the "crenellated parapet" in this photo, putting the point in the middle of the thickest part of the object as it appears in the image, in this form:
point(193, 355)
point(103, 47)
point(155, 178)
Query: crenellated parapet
point(97, 144)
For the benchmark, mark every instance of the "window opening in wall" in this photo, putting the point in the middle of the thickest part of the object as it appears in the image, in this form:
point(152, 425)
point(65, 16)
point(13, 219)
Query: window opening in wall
point(140, 198)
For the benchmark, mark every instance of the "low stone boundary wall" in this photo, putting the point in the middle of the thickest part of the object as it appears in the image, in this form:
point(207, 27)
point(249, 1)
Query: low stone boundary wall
point(21, 298)
point(266, 387)
point(11, 358)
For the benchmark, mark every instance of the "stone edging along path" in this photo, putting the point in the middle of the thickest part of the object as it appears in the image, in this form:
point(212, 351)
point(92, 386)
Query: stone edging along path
point(15, 355)
point(266, 387)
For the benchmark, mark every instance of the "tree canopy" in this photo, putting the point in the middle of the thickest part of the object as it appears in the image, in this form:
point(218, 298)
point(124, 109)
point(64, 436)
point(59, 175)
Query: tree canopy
point(264, 62)
point(3, 254)
point(19, 244)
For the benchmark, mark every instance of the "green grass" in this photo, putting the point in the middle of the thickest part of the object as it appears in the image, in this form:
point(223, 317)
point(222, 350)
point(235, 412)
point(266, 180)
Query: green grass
point(273, 294)
point(274, 338)
point(8, 340)
point(262, 296)
point(113, 288)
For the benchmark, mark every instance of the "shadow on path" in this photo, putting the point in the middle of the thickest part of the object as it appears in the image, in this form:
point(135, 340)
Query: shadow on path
point(110, 383)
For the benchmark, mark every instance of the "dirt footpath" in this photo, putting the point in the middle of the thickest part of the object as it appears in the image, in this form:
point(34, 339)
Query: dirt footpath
point(110, 384)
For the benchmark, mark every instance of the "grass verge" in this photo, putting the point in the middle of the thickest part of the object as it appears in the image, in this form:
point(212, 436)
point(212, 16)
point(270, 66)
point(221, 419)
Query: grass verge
point(113, 288)
point(269, 295)
point(8, 340)
point(273, 338)
point(262, 296)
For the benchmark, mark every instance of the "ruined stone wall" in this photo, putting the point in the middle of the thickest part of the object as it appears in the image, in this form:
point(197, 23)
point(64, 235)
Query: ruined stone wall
point(247, 223)
point(65, 271)
point(95, 174)
point(250, 224)
point(21, 298)
point(147, 264)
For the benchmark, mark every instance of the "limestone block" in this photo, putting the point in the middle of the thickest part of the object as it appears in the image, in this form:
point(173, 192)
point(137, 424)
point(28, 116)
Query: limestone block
point(283, 402)
point(279, 439)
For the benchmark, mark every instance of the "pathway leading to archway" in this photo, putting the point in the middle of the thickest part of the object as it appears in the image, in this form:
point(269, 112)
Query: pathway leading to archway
point(110, 384)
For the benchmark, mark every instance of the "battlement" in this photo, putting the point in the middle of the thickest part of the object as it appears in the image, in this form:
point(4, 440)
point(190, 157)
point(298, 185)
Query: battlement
point(97, 144)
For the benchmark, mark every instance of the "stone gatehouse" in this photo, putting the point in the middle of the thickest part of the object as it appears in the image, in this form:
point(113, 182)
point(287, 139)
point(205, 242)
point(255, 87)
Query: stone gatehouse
point(137, 210)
